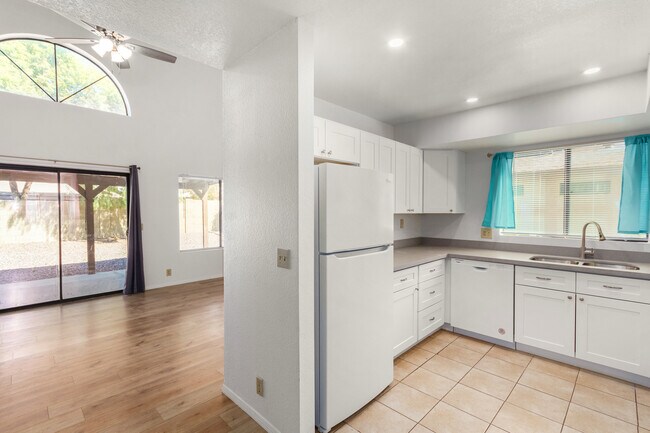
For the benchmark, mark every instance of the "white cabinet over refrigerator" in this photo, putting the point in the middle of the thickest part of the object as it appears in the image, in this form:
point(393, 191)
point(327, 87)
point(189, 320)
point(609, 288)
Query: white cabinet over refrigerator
point(354, 289)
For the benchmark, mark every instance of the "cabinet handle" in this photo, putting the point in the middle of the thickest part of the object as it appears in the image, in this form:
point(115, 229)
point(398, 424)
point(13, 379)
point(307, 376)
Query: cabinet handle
point(479, 268)
point(402, 280)
point(569, 297)
point(543, 278)
point(322, 152)
point(451, 210)
point(433, 319)
point(612, 287)
point(329, 153)
point(432, 293)
point(432, 270)
point(582, 299)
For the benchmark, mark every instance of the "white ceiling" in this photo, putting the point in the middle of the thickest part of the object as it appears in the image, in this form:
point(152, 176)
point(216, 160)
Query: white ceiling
point(497, 50)
point(209, 31)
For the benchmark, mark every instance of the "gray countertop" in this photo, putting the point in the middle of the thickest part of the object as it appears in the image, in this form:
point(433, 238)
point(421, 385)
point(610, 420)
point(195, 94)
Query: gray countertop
point(409, 257)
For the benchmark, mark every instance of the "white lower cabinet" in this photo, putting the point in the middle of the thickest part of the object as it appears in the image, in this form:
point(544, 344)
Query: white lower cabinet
point(614, 333)
point(405, 319)
point(545, 319)
point(430, 319)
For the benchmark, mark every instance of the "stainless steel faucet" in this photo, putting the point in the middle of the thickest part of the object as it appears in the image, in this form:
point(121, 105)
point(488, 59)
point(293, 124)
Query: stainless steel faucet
point(588, 253)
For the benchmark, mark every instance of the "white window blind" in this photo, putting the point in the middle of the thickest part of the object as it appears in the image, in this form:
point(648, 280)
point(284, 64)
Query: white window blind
point(558, 190)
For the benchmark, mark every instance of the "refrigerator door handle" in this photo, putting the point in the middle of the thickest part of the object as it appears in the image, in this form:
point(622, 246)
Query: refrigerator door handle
point(347, 254)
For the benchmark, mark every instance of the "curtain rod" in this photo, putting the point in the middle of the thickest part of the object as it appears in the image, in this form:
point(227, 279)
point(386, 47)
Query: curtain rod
point(56, 161)
point(578, 144)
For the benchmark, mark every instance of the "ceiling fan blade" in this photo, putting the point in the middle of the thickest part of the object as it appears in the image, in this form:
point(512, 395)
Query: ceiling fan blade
point(154, 54)
point(74, 41)
point(124, 65)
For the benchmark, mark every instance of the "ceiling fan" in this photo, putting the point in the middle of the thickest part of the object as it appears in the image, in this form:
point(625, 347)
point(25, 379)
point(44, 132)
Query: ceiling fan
point(121, 47)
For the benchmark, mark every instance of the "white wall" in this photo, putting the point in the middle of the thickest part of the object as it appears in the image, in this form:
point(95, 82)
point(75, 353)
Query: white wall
point(348, 117)
point(175, 129)
point(269, 204)
point(598, 101)
point(412, 226)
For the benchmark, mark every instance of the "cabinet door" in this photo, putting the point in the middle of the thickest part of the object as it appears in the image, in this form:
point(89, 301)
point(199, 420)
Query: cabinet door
point(405, 319)
point(319, 137)
point(613, 333)
point(415, 179)
point(456, 182)
point(386, 155)
point(436, 174)
point(369, 157)
point(343, 142)
point(545, 318)
point(402, 156)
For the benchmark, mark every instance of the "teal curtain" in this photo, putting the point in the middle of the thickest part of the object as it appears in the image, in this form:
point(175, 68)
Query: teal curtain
point(634, 212)
point(500, 209)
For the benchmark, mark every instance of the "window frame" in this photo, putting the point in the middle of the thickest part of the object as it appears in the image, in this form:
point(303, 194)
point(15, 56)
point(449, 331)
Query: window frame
point(79, 51)
point(507, 233)
point(204, 248)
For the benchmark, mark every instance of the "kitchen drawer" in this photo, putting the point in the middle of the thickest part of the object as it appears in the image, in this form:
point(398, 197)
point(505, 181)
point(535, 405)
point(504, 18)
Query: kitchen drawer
point(405, 278)
point(627, 289)
point(564, 281)
point(431, 270)
point(430, 319)
point(431, 292)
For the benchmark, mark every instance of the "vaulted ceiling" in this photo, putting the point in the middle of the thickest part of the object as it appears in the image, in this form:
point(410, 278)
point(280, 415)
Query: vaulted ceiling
point(496, 50)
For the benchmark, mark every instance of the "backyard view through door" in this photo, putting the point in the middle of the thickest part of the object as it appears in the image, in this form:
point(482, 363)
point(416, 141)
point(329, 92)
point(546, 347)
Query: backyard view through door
point(62, 235)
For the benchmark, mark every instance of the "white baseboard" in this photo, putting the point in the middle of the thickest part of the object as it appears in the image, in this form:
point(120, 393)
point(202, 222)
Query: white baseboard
point(266, 425)
point(181, 282)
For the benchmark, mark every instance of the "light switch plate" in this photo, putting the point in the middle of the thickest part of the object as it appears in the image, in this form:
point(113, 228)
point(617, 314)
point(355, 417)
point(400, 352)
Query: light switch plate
point(284, 259)
point(486, 233)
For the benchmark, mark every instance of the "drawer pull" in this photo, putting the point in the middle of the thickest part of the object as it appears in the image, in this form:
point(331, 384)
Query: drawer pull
point(544, 278)
point(432, 293)
point(582, 299)
point(480, 268)
point(432, 270)
point(402, 280)
point(433, 319)
point(569, 297)
point(612, 287)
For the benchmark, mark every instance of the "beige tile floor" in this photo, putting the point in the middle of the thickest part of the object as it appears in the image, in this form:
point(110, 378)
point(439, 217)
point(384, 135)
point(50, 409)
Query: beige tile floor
point(454, 384)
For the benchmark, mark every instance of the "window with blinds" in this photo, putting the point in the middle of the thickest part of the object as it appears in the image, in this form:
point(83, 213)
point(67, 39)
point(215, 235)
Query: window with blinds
point(558, 190)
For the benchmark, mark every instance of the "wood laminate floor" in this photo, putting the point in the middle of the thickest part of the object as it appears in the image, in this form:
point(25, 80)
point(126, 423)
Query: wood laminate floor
point(143, 363)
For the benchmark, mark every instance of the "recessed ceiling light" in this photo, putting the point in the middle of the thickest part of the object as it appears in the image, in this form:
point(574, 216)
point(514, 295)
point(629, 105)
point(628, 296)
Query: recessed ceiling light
point(396, 43)
point(592, 71)
point(471, 100)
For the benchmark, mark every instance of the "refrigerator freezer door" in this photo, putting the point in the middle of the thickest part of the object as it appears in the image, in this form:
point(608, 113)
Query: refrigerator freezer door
point(355, 208)
point(355, 347)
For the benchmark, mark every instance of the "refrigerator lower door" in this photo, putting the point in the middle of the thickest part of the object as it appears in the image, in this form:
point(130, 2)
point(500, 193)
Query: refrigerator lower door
point(355, 350)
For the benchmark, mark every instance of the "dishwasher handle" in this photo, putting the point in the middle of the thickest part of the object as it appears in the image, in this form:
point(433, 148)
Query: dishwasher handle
point(480, 268)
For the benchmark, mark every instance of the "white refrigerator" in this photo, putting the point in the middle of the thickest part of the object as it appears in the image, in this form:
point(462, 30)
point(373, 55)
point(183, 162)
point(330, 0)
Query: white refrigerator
point(354, 236)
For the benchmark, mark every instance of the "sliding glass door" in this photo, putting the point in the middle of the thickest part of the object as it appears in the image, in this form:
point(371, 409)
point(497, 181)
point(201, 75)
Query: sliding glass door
point(29, 238)
point(93, 233)
point(62, 235)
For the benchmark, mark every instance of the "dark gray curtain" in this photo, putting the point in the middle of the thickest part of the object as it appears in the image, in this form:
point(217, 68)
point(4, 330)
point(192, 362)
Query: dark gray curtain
point(135, 263)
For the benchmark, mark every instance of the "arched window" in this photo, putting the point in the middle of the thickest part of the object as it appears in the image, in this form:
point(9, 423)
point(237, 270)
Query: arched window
point(33, 66)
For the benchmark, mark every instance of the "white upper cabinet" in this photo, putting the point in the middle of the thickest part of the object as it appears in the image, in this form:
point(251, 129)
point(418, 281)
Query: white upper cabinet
point(319, 137)
point(386, 163)
point(343, 142)
point(444, 181)
point(408, 179)
point(369, 157)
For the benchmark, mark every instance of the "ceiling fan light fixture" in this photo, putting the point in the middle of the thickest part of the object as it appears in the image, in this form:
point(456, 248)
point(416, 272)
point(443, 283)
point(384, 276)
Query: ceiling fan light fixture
point(103, 46)
point(116, 57)
point(124, 51)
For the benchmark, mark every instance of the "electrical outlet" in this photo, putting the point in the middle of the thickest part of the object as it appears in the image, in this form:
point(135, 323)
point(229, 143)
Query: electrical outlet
point(168, 272)
point(259, 386)
point(283, 259)
point(401, 223)
point(486, 233)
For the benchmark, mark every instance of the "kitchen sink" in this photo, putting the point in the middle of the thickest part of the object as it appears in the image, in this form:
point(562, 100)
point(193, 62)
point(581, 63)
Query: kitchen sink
point(610, 265)
point(551, 259)
point(592, 263)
